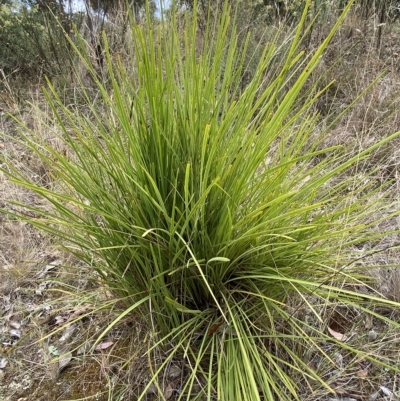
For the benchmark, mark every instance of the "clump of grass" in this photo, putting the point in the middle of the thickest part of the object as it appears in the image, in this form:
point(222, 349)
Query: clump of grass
point(208, 207)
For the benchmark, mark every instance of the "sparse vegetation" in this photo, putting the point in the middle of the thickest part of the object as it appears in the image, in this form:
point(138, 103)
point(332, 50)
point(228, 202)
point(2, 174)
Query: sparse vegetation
point(206, 214)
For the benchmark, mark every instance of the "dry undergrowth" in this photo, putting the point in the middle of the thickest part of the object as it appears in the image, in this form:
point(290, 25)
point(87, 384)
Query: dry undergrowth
point(43, 288)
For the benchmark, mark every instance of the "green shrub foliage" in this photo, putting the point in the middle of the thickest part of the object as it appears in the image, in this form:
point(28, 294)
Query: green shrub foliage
point(33, 40)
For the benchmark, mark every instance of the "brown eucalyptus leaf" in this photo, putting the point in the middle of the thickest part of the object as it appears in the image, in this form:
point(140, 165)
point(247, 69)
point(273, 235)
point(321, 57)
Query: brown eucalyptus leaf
point(104, 345)
point(362, 373)
point(68, 332)
point(64, 360)
point(353, 394)
point(15, 325)
point(76, 313)
point(335, 334)
point(169, 391)
point(369, 321)
point(340, 391)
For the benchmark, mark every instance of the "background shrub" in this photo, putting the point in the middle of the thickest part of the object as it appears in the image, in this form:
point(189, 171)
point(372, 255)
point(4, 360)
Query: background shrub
point(33, 40)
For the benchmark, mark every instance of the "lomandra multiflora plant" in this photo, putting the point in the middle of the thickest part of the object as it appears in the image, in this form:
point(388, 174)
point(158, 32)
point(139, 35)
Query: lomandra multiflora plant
point(209, 208)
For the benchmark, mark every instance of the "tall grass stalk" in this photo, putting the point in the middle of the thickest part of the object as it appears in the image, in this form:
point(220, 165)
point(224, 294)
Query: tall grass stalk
point(209, 208)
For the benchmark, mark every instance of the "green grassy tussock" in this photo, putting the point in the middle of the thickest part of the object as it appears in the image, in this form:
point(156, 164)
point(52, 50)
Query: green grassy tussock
point(206, 206)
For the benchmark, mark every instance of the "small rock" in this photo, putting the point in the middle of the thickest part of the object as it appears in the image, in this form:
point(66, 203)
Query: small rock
point(3, 363)
point(174, 372)
point(152, 389)
point(372, 335)
point(386, 391)
point(15, 333)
